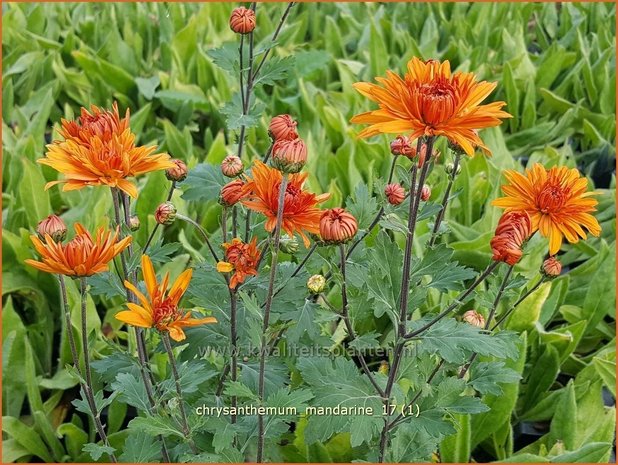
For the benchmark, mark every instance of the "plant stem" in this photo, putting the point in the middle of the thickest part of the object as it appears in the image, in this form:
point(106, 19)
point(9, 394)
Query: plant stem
point(300, 266)
point(415, 200)
point(519, 301)
point(348, 322)
point(275, 35)
point(202, 232)
point(224, 224)
point(234, 221)
point(445, 200)
point(507, 276)
point(267, 307)
point(457, 302)
point(234, 344)
point(156, 226)
point(183, 415)
point(87, 386)
point(69, 326)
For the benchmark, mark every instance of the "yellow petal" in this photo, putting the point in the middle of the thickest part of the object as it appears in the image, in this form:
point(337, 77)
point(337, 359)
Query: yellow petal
point(224, 267)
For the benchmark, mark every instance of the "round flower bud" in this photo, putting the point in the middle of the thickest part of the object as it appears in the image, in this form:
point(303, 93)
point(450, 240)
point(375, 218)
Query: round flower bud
point(474, 318)
point(383, 369)
point(282, 127)
point(425, 193)
point(316, 283)
point(134, 223)
point(337, 226)
point(403, 146)
point(52, 226)
point(165, 213)
point(450, 168)
point(395, 194)
point(289, 156)
point(231, 166)
point(289, 244)
point(551, 268)
point(178, 172)
point(242, 20)
point(232, 192)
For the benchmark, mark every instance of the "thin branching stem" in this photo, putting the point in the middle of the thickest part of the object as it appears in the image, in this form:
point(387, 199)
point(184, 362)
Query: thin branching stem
point(156, 226)
point(516, 304)
point(445, 200)
point(267, 307)
point(202, 232)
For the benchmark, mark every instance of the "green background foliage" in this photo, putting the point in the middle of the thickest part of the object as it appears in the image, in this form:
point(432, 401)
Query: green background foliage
point(173, 66)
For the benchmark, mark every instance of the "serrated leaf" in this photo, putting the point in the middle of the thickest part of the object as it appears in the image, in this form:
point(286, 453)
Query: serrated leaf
point(140, 447)
point(485, 377)
point(275, 69)
point(204, 182)
point(97, 450)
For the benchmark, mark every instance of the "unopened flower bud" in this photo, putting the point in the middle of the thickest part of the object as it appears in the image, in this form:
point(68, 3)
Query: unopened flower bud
point(383, 369)
point(178, 172)
point(551, 268)
point(289, 244)
point(425, 193)
point(337, 226)
point(231, 166)
point(242, 20)
point(134, 223)
point(316, 283)
point(450, 168)
point(52, 226)
point(474, 318)
point(232, 192)
point(282, 127)
point(165, 213)
point(403, 146)
point(289, 156)
point(395, 194)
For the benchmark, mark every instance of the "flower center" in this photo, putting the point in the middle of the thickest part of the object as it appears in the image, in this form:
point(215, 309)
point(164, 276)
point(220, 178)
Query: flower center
point(551, 198)
point(165, 313)
point(437, 101)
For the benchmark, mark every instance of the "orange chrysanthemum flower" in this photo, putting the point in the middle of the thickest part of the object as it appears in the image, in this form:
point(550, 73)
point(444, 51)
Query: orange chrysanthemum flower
point(160, 309)
point(556, 200)
point(99, 149)
point(431, 101)
point(82, 255)
point(300, 212)
point(240, 258)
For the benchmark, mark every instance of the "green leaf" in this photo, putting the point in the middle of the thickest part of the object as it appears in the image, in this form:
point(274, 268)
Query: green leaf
point(485, 377)
point(26, 437)
point(32, 194)
point(226, 57)
point(140, 448)
point(275, 69)
point(593, 452)
point(456, 448)
point(147, 86)
point(363, 206)
point(607, 371)
point(564, 423)
point(96, 451)
point(445, 274)
point(155, 426)
point(542, 376)
point(235, 117)
point(131, 390)
point(204, 182)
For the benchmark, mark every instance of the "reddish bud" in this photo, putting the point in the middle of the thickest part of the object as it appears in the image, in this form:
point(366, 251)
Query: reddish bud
point(52, 226)
point(178, 172)
point(425, 193)
point(282, 127)
point(403, 146)
point(337, 226)
point(551, 268)
point(395, 194)
point(474, 318)
point(289, 156)
point(232, 166)
point(232, 192)
point(242, 20)
point(165, 213)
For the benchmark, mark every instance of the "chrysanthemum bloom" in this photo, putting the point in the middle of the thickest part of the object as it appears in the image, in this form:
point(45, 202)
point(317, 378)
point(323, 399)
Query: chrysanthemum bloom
point(430, 101)
point(282, 127)
point(556, 200)
point(300, 212)
point(425, 193)
point(160, 309)
point(241, 258)
point(474, 318)
point(337, 226)
point(82, 255)
point(551, 268)
point(402, 145)
point(233, 192)
point(99, 149)
point(512, 232)
point(395, 193)
point(232, 166)
point(165, 213)
point(316, 283)
point(289, 156)
point(178, 172)
point(52, 226)
point(242, 20)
